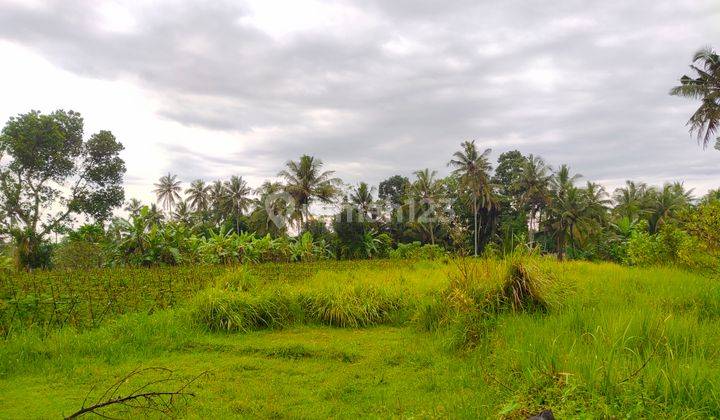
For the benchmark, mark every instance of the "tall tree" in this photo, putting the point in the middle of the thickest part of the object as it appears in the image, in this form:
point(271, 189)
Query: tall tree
point(705, 86)
point(535, 196)
point(427, 192)
point(306, 182)
point(167, 190)
point(568, 208)
point(48, 173)
point(218, 200)
point(631, 201)
point(238, 194)
point(393, 189)
point(473, 169)
point(198, 196)
point(667, 202)
point(362, 198)
point(133, 206)
point(269, 214)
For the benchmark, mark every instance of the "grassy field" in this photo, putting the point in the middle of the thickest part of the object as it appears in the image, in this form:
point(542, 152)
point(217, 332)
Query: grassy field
point(372, 338)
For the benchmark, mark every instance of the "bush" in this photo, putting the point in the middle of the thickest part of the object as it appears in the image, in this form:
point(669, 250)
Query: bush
point(78, 255)
point(417, 251)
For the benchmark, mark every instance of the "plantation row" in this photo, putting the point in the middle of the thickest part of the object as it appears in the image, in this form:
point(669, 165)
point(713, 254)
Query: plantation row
point(48, 300)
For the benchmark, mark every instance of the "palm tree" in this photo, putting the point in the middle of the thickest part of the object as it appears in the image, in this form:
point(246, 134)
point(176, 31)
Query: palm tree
point(238, 194)
point(667, 202)
point(534, 184)
point(362, 198)
point(427, 191)
point(306, 182)
point(133, 207)
point(705, 122)
point(217, 200)
point(168, 191)
point(631, 200)
point(198, 195)
point(473, 169)
point(182, 213)
point(562, 181)
point(268, 212)
point(568, 207)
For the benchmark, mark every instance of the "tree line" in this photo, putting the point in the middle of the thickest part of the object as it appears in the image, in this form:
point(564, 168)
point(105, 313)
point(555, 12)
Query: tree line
point(53, 180)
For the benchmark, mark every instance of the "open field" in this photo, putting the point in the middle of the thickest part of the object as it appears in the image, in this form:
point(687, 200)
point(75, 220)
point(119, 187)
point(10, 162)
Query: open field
point(371, 338)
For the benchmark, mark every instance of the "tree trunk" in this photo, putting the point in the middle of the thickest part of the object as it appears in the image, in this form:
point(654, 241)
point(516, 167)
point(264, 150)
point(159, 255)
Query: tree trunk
point(531, 231)
point(475, 231)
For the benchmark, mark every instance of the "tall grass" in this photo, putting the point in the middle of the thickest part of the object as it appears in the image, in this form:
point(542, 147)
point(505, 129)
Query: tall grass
point(597, 340)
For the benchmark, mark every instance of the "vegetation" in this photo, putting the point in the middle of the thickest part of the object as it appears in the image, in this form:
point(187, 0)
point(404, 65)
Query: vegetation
point(392, 338)
point(248, 295)
point(705, 86)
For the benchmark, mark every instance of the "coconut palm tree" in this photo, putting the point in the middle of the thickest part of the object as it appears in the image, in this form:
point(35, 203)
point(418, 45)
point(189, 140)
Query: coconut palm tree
point(306, 182)
point(182, 213)
point(631, 200)
point(568, 208)
point(427, 191)
point(362, 198)
point(473, 169)
point(217, 200)
point(268, 210)
point(705, 86)
point(133, 207)
point(198, 196)
point(535, 186)
point(238, 194)
point(167, 191)
point(667, 202)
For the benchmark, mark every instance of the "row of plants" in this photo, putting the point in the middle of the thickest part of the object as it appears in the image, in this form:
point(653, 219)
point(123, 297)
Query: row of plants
point(140, 241)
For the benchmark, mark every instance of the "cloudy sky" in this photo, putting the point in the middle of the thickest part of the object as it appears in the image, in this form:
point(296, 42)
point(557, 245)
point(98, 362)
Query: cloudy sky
point(374, 87)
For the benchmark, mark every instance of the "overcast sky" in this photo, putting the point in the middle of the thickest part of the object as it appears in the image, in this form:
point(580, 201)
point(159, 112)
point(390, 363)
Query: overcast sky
point(374, 88)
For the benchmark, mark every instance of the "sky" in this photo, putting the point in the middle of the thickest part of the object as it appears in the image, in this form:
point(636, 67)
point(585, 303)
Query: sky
point(374, 87)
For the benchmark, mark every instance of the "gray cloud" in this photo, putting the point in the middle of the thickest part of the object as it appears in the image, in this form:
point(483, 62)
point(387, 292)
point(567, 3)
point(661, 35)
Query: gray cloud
point(576, 82)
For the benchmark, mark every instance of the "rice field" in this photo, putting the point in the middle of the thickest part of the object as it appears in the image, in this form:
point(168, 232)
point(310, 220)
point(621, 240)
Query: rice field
point(450, 338)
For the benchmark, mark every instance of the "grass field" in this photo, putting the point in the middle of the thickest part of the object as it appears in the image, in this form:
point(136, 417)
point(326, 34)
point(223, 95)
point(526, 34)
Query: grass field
point(371, 338)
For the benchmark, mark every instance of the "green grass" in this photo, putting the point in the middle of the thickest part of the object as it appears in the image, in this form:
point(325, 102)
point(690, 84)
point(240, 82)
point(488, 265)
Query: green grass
point(380, 339)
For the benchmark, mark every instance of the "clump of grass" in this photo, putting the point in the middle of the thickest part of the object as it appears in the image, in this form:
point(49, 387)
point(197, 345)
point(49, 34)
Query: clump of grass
point(230, 311)
point(353, 306)
point(480, 292)
point(338, 305)
point(526, 287)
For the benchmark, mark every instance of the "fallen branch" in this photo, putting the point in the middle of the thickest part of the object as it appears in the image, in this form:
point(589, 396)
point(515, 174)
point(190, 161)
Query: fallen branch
point(140, 398)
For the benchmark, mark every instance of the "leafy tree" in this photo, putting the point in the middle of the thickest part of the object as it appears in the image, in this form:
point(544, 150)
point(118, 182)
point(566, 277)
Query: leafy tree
point(306, 182)
point(393, 189)
point(167, 190)
point(473, 171)
point(507, 178)
point(706, 87)
point(48, 173)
